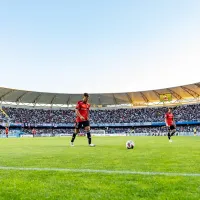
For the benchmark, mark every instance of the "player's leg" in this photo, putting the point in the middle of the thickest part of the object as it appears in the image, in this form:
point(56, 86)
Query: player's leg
point(76, 131)
point(169, 133)
point(173, 130)
point(87, 129)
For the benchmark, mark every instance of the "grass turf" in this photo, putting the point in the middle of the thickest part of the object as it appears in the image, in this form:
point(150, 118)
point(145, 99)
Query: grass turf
point(151, 154)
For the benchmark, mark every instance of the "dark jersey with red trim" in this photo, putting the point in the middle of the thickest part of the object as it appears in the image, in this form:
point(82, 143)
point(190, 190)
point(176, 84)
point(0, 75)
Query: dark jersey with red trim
point(169, 118)
point(83, 109)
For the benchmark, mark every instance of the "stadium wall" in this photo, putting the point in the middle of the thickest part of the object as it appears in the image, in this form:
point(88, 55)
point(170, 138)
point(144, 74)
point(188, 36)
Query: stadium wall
point(71, 125)
point(107, 134)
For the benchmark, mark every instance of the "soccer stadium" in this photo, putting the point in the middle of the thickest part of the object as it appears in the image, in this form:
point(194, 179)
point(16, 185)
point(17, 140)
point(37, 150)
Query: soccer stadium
point(100, 100)
point(43, 165)
point(52, 114)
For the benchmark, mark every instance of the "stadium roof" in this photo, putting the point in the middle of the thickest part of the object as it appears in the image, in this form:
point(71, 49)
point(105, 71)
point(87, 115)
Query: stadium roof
point(180, 94)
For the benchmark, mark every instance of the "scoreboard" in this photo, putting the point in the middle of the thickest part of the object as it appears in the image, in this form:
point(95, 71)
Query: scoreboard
point(165, 97)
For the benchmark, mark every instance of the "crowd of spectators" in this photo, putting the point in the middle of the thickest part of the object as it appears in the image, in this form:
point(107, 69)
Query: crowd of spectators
point(152, 129)
point(49, 131)
point(22, 115)
point(181, 113)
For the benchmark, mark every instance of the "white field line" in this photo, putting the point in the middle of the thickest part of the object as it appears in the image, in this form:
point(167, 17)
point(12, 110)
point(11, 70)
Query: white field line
point(100, 171)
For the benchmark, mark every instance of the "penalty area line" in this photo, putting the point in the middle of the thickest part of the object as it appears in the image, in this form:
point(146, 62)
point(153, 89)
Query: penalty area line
point(100, 171)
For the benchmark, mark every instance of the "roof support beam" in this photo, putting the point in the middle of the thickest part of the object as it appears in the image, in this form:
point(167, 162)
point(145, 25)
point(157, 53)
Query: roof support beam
point(52, 100)
point(156, 93)
point(21, 96)
point(129, 98)
point(144, 97)
point(36, 99)
point(4, 95)
point(191, 92)
point(197, 84)
point(99, 100)
point(177, 96)
point(114, 99)
point(68, 100)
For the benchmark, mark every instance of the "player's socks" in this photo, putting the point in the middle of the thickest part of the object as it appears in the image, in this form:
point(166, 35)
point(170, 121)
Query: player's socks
point(73, 137)
point(173, 132)
point(89, 138)
point(169, 135)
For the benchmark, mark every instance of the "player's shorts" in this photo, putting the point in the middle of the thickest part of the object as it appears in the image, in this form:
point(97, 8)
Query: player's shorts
point(83, 124)
point(172, 127)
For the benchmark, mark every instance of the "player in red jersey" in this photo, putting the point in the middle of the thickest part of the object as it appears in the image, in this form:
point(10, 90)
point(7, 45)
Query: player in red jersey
point(82, 119)
point(7, 131)
point(169, 121)
point(33, 132)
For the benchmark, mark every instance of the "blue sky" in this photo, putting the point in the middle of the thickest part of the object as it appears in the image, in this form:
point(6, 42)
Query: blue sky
point(99, 46)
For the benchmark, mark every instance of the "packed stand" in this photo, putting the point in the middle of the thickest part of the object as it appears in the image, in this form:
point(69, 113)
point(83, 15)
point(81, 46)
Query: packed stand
point(48, 131)
point(181, 113)
point(152, 129)
point(22, 115)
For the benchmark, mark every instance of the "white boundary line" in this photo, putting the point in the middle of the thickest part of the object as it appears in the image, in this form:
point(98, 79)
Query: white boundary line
point(100, 171)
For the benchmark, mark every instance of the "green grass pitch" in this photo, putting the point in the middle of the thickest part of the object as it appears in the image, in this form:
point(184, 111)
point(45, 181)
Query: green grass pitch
point(151, 154)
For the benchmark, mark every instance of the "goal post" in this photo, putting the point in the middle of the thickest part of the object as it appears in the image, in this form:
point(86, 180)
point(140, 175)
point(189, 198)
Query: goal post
point(98, 132)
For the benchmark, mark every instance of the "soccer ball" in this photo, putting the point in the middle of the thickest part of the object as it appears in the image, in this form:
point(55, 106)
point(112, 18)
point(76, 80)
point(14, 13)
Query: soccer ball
point(130, 144)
